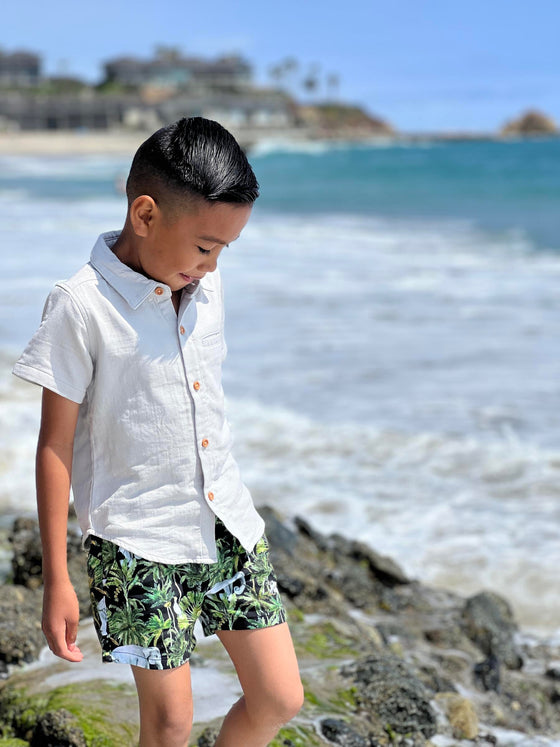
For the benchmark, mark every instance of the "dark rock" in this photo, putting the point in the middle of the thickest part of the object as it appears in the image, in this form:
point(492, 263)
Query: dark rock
point(340, 733)
point(208, 736)
point(27, 560)
point(553, 672)
point(487, 673)
point(21, 638)
point(389, 689)
point(280, 537)
point(58, 729)
point(488, 621)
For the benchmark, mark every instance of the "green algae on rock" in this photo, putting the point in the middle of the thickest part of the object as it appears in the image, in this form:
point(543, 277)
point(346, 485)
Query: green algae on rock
point(94, 714)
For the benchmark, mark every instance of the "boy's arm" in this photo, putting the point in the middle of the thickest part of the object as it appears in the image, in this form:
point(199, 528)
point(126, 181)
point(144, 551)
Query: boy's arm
point(53, 477)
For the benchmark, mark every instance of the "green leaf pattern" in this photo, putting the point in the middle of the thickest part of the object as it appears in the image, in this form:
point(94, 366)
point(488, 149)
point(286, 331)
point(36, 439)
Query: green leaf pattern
point(144, 611)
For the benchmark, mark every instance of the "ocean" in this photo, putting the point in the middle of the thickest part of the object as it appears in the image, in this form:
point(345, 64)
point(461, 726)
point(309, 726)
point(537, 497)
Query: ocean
point(392, 326)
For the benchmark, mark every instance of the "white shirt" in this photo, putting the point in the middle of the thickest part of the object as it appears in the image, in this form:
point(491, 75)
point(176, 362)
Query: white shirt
point(152, 463)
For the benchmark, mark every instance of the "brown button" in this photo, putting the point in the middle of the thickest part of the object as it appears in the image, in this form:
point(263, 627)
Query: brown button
point(182, 329)
point(159, 290)
point(204, 442)
point(196, 386)
point(210, 496)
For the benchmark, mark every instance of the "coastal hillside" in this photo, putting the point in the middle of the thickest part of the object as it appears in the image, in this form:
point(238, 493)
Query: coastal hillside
point(531, 122)
point(336, 120)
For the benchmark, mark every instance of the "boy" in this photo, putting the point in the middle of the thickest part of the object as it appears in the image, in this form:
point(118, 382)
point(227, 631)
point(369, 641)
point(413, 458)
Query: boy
point(129, 356)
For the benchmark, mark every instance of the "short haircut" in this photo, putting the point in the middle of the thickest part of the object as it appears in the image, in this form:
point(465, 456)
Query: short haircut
point(192, 159)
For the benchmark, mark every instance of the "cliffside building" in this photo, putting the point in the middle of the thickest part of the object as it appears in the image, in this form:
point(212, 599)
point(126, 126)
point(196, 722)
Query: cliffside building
point(19, 69)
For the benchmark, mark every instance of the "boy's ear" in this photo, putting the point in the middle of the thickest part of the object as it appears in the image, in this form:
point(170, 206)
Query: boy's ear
point(142, 213)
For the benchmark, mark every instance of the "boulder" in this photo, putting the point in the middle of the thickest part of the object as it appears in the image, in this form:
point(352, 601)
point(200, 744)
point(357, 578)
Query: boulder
point(58, 729)
point(488, 621)
point(390, 691)
point(21, 638)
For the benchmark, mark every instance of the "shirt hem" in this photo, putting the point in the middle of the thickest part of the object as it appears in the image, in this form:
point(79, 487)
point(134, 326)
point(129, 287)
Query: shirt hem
point(135, 550)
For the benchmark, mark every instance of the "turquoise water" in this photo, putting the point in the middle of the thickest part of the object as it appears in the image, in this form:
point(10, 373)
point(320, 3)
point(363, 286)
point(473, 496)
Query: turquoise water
point(502, 186)
point(392, 324)
point(499, 186)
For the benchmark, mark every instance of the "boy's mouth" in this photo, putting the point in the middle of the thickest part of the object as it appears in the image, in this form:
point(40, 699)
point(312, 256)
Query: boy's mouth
point(188, 278)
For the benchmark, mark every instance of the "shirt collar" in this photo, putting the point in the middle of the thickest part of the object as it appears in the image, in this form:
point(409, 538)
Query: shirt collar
point(132, 286)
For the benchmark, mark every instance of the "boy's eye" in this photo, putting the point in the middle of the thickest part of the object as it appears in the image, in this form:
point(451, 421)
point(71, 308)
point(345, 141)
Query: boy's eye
point(203, 251)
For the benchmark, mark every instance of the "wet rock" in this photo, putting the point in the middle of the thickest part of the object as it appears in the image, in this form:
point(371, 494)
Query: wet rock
point(58, 729)
point(389, 689)
point(21, 638)
point(488, 621)
point(338, 732)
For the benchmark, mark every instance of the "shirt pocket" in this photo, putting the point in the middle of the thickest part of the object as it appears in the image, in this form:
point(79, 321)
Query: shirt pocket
point(210, 339)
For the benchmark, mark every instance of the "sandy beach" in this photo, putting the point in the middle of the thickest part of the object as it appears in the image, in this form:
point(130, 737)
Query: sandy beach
point(70, 143)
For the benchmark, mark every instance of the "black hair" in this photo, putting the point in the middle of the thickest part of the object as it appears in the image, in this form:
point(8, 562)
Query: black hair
point(193, 158)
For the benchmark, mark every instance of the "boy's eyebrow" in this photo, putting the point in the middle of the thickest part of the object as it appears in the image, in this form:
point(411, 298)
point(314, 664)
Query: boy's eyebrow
point(215, 240)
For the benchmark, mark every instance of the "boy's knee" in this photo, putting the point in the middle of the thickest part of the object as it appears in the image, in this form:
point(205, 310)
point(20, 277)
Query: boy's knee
point(167, 727)
point(291, 703)
point(281, 706)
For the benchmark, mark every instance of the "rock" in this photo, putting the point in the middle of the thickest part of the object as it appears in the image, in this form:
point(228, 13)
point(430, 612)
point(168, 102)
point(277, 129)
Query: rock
point(531, 122)
point(21, 638)
point(388, 688)
point(487, 673)
point(553, 670)
point(27, 557)
point(331, 571)
point(27, 560)
point(461, 714)
point(488, 621)
point(337, 120)
point(208, 736)
point(58, 729)
point(338, 732)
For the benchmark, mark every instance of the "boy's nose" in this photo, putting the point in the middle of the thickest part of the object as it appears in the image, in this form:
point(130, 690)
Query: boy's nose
point(208, 265)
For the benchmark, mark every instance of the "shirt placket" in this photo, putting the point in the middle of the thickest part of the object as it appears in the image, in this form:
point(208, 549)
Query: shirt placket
point(195, 378)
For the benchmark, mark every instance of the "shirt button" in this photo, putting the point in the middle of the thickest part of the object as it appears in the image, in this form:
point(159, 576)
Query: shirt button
point(182, 329)
point(210, 496)
point(159, 290)
point(205, 442)
point(196, 386)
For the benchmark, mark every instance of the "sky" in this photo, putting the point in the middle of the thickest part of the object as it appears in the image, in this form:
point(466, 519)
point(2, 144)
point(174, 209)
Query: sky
point(423, 65)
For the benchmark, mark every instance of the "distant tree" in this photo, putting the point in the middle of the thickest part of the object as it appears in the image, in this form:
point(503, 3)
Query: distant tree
point(311, 80)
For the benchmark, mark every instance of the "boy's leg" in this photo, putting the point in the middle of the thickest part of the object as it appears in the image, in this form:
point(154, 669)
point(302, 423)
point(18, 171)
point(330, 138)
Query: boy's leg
point(165, 700)
point(267, 668)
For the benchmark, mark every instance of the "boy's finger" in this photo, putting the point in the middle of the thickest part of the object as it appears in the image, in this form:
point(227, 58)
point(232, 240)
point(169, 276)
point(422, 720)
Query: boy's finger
point(59, 646)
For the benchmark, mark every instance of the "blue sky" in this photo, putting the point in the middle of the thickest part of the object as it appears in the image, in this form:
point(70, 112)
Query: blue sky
point(422, 64)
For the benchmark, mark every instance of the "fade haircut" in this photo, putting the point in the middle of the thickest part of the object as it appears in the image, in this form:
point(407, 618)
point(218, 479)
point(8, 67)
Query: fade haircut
point(191, 160)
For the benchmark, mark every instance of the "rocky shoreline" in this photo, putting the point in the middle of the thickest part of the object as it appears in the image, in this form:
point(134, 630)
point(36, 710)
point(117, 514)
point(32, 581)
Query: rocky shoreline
point(385, 660)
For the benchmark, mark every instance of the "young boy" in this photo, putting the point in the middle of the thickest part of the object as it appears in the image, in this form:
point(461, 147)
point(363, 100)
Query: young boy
point(129, 356)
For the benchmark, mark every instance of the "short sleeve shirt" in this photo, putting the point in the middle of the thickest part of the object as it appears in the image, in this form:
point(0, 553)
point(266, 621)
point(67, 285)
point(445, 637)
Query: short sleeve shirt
point(152, 462)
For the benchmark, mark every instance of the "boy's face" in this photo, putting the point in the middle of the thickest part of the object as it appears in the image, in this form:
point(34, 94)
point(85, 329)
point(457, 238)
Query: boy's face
point(179, 250)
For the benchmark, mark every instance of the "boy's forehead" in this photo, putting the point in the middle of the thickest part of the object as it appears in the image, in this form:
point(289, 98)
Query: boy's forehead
point(218, 223)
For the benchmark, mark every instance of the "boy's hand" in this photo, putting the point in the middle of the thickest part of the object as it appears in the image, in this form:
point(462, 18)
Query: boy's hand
point(61, 614)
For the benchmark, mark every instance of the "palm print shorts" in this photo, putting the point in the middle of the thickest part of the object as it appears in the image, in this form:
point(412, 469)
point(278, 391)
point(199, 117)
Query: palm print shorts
point(144, 612)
